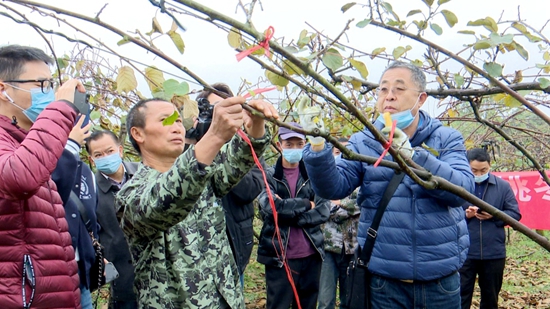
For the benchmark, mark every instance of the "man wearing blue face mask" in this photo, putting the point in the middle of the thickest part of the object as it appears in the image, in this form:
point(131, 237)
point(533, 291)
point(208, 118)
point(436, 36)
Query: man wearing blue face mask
point(422, 240)
point(487, 254)
point(300, 215)
point(105, 151)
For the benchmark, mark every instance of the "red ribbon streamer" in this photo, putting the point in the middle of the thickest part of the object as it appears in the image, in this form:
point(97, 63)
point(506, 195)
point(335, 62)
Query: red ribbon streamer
point(263, 44)
point(258, 91)
point(388, 144)
point(277, 234)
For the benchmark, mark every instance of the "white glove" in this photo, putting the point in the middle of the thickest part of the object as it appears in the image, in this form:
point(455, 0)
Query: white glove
point(310, 118)
point(400, 141)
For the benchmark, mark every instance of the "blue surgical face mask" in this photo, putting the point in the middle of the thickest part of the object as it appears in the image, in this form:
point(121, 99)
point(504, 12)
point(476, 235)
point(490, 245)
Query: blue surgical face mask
point(292, 155)
point(482, 178)
point(404, 118)
point(108, 164)
point(39, 102)
point(338, 156)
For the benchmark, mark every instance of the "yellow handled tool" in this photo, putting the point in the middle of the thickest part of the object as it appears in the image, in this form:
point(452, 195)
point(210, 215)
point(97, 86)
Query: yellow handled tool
point(387, 118)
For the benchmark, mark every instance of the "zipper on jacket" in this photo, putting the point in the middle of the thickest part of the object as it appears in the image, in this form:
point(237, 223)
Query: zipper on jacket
point(481, 239)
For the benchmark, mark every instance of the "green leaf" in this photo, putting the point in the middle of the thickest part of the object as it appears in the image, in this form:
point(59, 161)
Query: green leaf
point(440, 2)
point(521, 28)
point(275, 79)
point(332, 59)
point(521, 51)
point(124, 40)
point(173, 87)
point(494, 69)
point(459, 80)
point(171, 119)
point(467, 32)
point(178, 41)
point(450, 17)
point(420, 24)
point(417, 62)
point(377, 51)
point(510, 101)
point(347, 130)
point(234, 38)
point(363, 23)
point(544, 82)
point(546, 56)
point(498, 39)
point(399, 51)
point(414, 12)
point(291, 69)
point(436, 29)
point(347, 6)
point(154, 78)
point(360, 67)
point(156, 26)
point(94, 115)
point(533, 38)
point(487, 22)
point(125, 80)
point(429, 3)
point(482, 45)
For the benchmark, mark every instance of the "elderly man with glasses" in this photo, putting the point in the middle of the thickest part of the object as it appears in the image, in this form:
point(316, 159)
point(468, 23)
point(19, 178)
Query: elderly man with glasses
point(422, 240)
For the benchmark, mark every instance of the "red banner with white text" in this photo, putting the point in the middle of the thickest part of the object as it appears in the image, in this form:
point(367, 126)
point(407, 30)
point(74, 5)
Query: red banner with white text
point(533, 196)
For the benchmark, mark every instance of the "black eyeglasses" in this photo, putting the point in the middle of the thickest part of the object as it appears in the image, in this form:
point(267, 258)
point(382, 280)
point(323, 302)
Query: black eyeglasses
point(45, 84)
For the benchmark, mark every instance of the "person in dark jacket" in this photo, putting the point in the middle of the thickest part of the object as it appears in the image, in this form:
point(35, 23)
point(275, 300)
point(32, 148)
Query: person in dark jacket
point(300, 214)
point(72, 175)
point(487, 254)
point(106, 153)
point(238, 203)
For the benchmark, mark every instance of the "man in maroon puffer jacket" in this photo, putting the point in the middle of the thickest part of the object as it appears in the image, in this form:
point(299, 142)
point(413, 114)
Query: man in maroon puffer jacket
point(37, 260)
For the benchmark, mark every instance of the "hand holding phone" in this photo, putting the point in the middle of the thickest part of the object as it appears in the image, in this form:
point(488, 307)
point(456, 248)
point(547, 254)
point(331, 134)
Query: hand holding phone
point(110, 272)
point(82, 103)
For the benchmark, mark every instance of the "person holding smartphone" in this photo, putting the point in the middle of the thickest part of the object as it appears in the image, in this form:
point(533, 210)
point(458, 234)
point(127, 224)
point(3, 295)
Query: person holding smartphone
point(37, 260)
point(487, 254)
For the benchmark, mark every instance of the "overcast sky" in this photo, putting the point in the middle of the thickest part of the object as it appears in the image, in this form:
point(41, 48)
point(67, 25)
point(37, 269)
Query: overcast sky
point(208, 54)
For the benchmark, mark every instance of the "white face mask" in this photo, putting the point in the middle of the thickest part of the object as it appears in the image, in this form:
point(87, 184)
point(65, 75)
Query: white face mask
point(482, 178)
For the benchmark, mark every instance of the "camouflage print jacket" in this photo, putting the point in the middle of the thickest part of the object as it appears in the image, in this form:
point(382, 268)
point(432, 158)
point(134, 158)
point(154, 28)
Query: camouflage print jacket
point(341, 228)
point(175, 227)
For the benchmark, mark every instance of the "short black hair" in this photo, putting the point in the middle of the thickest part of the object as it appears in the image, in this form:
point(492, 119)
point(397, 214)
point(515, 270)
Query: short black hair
point(478, 154)
point(14, 57)
point(343, 140)
point(99, 134)
point(136, 118)
point(221, 87)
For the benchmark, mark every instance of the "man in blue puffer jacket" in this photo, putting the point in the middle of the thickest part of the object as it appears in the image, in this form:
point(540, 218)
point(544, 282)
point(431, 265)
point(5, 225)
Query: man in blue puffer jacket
point(423, 239)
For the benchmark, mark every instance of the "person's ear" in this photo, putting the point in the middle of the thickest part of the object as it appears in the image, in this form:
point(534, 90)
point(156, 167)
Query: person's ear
point(279, 147)
point(137, 134)
point(121, 151)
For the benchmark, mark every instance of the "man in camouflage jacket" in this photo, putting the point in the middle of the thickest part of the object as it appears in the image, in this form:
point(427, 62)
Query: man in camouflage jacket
point(171, 207)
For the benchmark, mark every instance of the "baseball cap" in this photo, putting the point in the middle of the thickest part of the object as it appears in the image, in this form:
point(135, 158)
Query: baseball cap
point(285, 133)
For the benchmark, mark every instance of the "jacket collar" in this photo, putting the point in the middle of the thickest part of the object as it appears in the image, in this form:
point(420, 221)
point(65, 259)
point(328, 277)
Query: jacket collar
point(279, 173)
point(12, 129)
point(492, 178)
point(105, 184)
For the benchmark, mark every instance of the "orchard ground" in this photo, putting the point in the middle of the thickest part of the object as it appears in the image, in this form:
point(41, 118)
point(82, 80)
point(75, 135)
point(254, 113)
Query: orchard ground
point(526, 277)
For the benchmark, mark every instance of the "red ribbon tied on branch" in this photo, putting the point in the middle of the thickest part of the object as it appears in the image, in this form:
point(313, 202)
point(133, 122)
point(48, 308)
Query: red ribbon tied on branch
point(263, 44)
point(388, 144)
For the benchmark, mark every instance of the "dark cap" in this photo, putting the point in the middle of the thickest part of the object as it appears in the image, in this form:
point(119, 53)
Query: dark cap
point(285, 133)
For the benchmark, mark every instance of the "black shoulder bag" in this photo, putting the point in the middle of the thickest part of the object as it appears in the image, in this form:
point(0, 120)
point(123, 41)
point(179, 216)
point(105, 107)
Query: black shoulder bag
point(96, 272)
point(358, 280)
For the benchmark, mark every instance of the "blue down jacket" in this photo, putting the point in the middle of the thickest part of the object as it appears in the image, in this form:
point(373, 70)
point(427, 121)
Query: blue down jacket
point(423, 233)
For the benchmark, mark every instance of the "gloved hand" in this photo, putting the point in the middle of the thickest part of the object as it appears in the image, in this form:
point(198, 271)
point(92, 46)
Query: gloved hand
point(310, 118)
point(400, 141)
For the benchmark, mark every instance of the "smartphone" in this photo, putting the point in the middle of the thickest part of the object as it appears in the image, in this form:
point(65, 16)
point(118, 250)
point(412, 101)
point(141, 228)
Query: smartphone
point(110, 272)
point(479, 210)
point(82, 103)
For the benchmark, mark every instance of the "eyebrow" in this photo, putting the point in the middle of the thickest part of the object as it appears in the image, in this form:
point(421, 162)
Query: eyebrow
point(399, 81)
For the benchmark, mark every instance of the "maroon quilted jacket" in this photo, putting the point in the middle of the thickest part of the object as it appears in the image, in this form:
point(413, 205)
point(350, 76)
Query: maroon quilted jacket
point(32, 218)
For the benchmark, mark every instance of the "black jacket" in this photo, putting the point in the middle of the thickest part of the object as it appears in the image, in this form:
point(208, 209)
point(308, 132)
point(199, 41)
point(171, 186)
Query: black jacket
point(112, 237)
point(295, 212)
point(239, 215)
point(72, 174)
point(487, 237)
